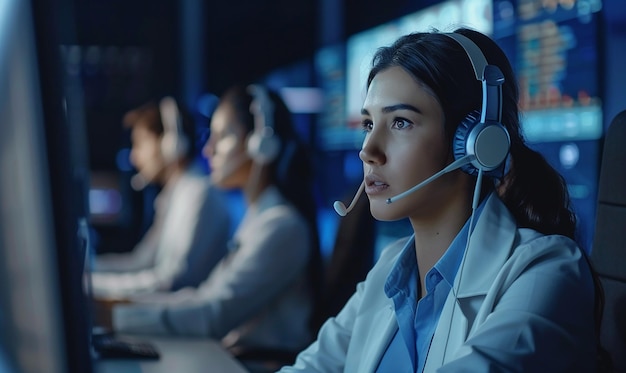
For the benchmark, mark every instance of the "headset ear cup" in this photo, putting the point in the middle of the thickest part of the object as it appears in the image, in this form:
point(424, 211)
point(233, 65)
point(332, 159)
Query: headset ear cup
point(168, 146)
point(460, 140)
point(174, 143)
point(173, 146)
point(263, 146)
point(489, 142)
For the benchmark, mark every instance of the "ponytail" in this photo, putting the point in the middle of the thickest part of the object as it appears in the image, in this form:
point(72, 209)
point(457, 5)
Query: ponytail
point(543, 206)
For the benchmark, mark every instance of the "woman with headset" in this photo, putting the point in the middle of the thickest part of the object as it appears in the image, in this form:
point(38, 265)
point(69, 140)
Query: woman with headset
point(259, 298)
point(189, 232)
point(492, 279)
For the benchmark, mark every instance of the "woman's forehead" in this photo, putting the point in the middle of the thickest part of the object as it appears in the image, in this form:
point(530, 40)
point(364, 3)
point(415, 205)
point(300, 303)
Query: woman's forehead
point(395, 85)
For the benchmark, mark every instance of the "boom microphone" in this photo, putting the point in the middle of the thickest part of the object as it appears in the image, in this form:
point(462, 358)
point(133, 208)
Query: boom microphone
point(341, 209)
point(451, 167)
point(141, 180)
point(138, 182)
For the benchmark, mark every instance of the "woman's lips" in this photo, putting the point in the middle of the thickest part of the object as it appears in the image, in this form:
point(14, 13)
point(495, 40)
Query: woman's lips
point(375, 185)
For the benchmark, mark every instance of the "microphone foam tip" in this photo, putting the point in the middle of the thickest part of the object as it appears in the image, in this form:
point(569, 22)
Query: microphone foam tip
point(340, 208)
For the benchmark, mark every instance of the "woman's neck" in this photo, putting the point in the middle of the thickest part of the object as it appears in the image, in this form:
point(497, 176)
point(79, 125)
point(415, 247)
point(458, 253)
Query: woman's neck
point(257, 182)
point(434, 235)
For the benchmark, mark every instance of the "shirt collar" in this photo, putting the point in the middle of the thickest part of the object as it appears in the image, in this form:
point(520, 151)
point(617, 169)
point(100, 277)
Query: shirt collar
point(269, 197)
point(403, 271)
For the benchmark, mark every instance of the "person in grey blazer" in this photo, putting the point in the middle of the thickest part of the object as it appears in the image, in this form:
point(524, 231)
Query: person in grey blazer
point(492, 279)
point(191, 225)
point(259, 298)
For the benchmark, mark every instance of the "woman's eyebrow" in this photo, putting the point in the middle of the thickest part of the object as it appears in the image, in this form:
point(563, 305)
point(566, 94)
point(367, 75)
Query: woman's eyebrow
point(389, 109)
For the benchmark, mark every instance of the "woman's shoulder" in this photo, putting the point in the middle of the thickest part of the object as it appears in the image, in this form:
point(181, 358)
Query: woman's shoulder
point(281, 216)
point(550, 255)
point(524, 240)
point(531, 242)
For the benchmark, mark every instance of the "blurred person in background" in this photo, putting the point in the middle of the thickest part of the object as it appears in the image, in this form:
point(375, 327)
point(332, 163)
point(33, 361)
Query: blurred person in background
point(190, 229)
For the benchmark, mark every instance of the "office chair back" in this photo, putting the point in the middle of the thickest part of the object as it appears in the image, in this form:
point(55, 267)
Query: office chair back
point(609, 247)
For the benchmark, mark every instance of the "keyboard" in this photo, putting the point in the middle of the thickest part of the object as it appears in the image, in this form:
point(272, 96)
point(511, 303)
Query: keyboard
point(109, 346)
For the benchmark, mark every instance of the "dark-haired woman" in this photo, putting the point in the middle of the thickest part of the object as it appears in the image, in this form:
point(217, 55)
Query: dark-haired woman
point(492, 279)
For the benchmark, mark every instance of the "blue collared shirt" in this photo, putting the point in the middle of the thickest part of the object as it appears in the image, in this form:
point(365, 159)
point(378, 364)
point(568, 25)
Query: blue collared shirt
point(417, 320)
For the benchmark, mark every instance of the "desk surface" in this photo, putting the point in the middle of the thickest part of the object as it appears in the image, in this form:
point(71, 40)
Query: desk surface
point(177, 355)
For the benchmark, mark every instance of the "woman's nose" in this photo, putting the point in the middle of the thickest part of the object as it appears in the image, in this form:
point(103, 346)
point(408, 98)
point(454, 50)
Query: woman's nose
point(132, 156)
point(372, 151)
point(208, 150)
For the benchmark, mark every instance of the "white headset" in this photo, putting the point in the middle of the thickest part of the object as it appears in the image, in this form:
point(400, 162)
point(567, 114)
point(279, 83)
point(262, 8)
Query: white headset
point(174, 143)
point(480, 133)
point(263, 145)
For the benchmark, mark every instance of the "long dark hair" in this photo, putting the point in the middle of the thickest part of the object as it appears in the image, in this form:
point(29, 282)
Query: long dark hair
point(434, 60)
point(292, 172)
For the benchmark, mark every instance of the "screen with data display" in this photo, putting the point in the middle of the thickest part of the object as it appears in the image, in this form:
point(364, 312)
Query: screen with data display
point(555, 48)
point(342, 69)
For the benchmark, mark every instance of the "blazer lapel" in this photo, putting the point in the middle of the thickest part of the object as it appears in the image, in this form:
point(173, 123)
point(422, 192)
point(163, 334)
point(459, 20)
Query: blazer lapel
point(490, 245)
point(450, 331)
point(381, 328)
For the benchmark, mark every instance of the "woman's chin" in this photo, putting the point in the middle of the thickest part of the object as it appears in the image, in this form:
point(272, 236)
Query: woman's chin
point(383, 211)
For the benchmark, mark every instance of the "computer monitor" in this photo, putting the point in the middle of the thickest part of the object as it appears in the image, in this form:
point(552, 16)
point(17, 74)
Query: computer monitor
point(43, 322)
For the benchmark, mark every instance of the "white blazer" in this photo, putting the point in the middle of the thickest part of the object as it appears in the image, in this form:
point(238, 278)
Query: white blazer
point(520, 292)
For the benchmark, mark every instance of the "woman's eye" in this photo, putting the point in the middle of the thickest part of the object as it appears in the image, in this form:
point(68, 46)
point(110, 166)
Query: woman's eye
point(367, 125)
point(401, 123)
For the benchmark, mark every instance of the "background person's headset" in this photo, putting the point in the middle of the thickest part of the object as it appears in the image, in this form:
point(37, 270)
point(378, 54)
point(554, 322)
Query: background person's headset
point(174, 142)
point(263, 145)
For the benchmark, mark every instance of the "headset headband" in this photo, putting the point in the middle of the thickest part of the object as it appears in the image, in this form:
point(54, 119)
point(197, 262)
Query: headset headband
point(490, 76)
point(476, 56)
